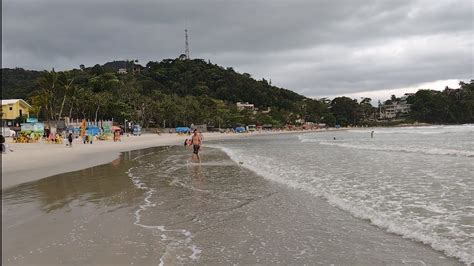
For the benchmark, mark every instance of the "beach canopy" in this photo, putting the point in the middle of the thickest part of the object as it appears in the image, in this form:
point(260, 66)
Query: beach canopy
point(183, 130)
point(93, 130)
point(240, 129)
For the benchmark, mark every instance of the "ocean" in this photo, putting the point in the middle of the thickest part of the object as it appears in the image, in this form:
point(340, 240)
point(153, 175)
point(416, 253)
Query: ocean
point(403, 197)
point(417, 182)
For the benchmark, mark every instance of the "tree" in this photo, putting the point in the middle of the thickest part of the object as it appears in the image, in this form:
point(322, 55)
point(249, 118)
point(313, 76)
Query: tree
point(65, 83)
point(47, 84)
point(100, 99)
point(366, 109)
point(345, 110)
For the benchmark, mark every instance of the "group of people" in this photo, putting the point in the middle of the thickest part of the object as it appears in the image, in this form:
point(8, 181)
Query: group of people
point(55, 138)
point(194, 141)
point(86, 139)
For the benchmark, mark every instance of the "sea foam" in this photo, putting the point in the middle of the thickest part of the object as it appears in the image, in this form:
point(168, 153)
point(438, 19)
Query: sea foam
point(384, 203)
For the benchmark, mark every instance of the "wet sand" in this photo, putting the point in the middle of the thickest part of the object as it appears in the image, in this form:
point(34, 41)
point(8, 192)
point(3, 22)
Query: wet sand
point(33, 161)
point(154, 206)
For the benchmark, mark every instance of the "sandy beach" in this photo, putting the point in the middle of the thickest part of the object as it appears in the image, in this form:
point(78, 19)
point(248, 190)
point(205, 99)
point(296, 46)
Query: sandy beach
point(154, 207)
point(33, 161)
point(258, 198)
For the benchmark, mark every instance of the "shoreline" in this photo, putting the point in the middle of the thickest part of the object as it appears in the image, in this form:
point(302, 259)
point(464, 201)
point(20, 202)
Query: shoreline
point(185, 213)
point(34, 161)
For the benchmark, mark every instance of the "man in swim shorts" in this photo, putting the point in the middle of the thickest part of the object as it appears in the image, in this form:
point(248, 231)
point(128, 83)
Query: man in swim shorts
point(196, 141)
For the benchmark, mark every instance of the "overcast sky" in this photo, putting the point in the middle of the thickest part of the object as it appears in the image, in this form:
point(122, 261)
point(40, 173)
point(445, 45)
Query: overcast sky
point(316, 47)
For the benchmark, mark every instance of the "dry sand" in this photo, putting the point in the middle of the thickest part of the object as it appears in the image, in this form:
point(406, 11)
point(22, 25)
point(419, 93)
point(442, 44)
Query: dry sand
point(33, 161)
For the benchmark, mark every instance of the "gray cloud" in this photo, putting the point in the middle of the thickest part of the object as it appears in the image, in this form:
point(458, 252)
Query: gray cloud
point(322, 47)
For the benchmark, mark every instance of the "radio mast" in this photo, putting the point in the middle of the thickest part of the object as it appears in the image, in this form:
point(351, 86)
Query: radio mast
point(186, 44)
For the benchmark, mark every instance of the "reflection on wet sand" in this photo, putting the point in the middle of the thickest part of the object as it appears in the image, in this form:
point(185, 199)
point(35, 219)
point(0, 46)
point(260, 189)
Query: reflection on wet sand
point(95, 184)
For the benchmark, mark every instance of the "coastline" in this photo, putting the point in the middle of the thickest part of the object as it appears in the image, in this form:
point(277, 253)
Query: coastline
point(33, 161)
point(167, 210)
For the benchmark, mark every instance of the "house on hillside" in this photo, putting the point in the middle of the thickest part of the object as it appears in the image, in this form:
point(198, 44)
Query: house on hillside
point(122, 71)
point(245, 106)
point(13, 108)
point(395, 109)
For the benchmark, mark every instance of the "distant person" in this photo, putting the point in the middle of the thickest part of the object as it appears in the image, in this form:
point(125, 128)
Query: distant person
point(196, 141)
point(372, 134)
point(334, 138)
point(70, 138)
point(5, 146)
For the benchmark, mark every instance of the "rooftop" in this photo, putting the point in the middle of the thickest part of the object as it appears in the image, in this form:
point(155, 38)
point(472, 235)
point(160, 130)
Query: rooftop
point(12, 101)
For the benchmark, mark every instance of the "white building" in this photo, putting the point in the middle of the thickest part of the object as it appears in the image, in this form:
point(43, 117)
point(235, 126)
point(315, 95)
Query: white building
point(395, 109)
point(122, 71)
point(245, 106)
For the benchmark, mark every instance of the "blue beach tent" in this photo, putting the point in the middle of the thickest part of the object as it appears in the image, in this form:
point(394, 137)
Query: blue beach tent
point(240, 129)
point(183, 130)
point(93, 130)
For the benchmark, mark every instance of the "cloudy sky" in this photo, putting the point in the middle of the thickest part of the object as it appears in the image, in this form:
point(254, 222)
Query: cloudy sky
point(316, 47)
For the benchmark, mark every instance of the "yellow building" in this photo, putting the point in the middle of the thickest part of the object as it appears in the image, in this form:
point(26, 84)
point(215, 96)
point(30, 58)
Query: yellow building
point(13, 108)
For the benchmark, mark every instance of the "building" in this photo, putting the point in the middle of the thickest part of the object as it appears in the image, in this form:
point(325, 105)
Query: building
point(13, 108)
point(396, 109)
point(245, 106)
point(122, 71)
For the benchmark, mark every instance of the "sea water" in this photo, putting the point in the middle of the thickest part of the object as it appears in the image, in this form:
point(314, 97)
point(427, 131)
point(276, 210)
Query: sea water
point(417, 182)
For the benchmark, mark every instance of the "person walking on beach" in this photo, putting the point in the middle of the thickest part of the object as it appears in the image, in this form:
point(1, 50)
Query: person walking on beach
point(196, 141)
point(69, 139)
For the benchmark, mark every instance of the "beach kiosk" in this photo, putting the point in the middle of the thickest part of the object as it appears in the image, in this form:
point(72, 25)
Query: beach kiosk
point(30, 132)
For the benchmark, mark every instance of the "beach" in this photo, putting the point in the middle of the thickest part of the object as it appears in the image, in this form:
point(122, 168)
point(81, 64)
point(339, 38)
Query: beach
point(273, 198)
point(153, 206)
point(33, 161)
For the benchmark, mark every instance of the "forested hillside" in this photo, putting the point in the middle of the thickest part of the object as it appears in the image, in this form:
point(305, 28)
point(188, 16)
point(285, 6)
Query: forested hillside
point(177, 92)
point(171, 92)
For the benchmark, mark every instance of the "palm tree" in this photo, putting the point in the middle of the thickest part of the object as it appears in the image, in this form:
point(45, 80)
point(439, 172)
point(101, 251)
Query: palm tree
point(47, 84)
point(100, 99)
point(66, 84)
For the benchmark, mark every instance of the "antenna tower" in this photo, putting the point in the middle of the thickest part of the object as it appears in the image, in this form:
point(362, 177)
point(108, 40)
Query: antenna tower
point(186, 44)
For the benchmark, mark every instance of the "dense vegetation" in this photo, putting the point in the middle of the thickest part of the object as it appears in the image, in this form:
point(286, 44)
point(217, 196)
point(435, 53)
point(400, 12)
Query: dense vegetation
point(176, 92)
point(447, 106)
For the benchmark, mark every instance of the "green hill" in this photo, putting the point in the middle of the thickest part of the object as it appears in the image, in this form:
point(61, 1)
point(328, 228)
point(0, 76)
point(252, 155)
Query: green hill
point(171, 92)
point(176, 92)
